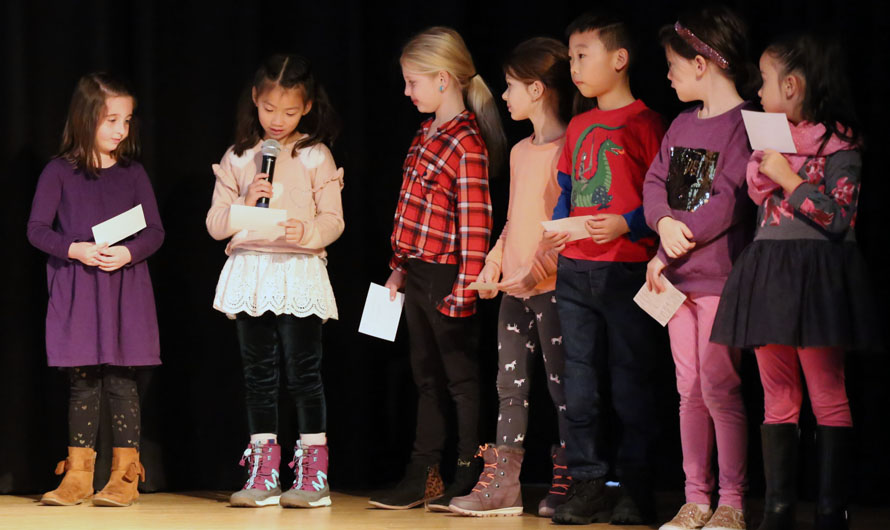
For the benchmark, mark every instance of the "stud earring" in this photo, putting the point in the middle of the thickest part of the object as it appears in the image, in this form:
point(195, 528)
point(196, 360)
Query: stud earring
point(441, 88)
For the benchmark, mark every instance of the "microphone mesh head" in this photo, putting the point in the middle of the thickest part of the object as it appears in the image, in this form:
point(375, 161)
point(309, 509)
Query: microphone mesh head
point(271, 148)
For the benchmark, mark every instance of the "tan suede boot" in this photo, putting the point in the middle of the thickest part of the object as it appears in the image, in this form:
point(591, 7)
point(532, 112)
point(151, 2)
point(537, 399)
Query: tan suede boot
point(77, 484)
point(122, 488)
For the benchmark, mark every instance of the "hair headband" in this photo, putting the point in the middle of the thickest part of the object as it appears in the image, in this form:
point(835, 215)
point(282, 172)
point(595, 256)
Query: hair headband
point(700, 46)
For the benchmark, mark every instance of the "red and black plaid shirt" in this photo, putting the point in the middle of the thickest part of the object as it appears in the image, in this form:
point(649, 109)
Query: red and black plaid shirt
point(444, 210)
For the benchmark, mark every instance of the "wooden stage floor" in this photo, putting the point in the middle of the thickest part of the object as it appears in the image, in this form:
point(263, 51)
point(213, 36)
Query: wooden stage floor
point(199, 510)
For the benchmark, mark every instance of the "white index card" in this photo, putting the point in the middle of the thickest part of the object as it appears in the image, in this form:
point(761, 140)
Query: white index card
point(381, 315)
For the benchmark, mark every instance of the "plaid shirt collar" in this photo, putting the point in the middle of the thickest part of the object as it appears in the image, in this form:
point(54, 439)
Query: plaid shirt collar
point(466, 116)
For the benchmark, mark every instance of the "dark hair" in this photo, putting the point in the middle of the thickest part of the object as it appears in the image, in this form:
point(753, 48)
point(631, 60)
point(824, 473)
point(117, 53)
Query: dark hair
point(546, 60)
point(614, 32)
point(723, 30)
point(320, 124)
point(85, 114)
point(827, 96)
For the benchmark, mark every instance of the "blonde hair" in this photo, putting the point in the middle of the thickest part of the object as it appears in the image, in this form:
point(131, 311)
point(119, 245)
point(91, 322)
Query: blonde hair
point(440, 49)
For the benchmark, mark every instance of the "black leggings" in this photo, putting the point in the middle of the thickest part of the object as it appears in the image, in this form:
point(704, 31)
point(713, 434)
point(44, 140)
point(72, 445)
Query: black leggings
point(444, 361)
point(263, 339)
point(87, 385)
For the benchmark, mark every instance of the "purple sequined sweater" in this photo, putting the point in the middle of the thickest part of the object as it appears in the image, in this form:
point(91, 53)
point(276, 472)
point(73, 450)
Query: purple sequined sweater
point(698, 178)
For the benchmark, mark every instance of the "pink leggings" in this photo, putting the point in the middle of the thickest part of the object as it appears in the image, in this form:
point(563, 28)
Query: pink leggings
point(823, 369)
point(711, 408)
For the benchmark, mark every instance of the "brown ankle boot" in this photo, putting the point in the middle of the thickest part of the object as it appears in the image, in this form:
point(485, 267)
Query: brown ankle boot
point(122, 488)
point(498, 491)
point(77, 484)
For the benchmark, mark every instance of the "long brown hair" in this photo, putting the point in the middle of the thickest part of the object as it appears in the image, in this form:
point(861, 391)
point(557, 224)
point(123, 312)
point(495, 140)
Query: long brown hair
point(86, 112)
point(546, 60)
point(320, 124)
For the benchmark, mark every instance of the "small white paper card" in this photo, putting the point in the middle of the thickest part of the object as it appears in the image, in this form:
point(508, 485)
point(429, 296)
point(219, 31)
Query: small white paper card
point(380, 317)
point(253, 218)
point(119, 227)
point(573, 225)
point(660, 306)
point(482, 286)
point(769, 130)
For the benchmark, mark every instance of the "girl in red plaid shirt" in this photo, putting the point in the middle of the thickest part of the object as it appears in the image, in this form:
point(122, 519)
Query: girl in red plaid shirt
point(440, 239)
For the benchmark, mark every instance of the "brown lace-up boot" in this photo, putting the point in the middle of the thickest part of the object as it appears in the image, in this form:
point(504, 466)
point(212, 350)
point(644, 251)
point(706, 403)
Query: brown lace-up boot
point(498, 491)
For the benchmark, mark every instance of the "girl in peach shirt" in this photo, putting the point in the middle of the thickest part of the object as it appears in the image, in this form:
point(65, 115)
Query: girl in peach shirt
point(538, 89)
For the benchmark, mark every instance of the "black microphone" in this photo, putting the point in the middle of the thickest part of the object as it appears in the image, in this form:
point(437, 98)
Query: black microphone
point(270, 151)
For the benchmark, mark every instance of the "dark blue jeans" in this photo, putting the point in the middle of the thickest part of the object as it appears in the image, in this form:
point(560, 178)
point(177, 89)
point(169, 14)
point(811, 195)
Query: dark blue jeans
point(610, 345)
point(264, 340)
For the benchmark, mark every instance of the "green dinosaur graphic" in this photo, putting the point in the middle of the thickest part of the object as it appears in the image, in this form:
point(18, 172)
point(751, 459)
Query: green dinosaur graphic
point(595, 190)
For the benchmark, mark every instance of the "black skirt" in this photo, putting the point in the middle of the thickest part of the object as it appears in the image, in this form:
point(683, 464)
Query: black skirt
point(803, 293)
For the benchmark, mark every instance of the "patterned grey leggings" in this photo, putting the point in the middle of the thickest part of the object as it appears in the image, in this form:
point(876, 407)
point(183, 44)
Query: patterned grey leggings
point(88, 383)
point(527, 327)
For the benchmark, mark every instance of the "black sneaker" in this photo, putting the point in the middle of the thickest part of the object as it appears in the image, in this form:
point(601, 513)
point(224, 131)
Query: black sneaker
point(636, 506)
point(421, 484)
point(465, 477)
point(586, 503)
point(626, 512)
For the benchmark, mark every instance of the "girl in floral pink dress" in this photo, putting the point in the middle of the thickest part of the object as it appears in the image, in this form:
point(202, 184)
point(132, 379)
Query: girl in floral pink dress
point(798, 294)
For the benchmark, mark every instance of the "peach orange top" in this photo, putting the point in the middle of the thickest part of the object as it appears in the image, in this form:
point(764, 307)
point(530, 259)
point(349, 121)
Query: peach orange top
point(534, 191)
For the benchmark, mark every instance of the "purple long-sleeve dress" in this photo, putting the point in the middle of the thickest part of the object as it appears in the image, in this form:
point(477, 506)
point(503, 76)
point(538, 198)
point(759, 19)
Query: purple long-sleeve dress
point(95, 317)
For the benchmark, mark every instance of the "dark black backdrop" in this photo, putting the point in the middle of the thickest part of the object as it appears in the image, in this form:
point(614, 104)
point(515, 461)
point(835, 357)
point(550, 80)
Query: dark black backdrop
point(188, 61)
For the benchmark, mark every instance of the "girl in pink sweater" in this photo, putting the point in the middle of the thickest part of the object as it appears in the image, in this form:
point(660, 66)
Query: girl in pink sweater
point(538, 89)
point(274, 283)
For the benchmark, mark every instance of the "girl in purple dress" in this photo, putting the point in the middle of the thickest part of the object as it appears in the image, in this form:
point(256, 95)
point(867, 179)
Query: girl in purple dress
point(101, 322)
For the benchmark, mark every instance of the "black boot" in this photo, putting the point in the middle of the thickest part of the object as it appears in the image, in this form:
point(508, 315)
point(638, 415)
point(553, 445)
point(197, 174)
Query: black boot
point(422, 483)
point(780, 443)
point(585, 503)
point(465, 477)
point(833, 445)
point(637, 503)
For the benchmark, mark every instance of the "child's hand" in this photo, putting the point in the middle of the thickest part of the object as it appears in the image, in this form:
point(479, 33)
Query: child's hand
point(606, 227)
point(395, 283)
point(489, 274)
point(113, 258)
point(555, 241)
point(775, 166)
point(260, 187)
point(86, 253)
point(676, 237)
point(653, 275)
point(293, 230)
point(519, 284)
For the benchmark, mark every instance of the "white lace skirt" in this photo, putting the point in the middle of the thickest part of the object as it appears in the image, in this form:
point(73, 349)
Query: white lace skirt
point(293, 284)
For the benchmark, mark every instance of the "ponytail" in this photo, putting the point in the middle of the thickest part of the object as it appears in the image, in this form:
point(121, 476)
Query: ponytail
point(480, 100)
point(442, 49)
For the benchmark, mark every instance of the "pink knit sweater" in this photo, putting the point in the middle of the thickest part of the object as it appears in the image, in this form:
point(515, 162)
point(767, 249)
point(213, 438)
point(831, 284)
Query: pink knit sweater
point(307, 186)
